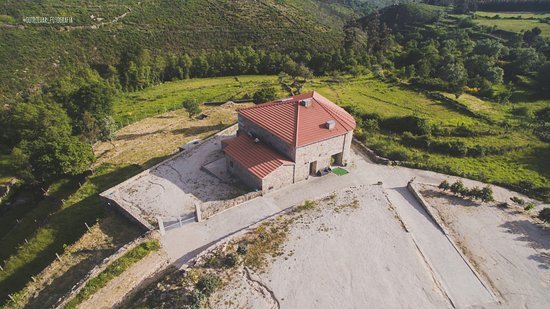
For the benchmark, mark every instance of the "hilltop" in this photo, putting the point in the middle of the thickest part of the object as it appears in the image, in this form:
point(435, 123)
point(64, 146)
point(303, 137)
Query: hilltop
point(99, 32)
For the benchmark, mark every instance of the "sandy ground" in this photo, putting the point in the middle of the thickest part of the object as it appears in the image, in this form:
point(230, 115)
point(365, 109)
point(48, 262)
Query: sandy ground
point(347, 256)
point(171, 189)
point(119, 287)
point(509, 248)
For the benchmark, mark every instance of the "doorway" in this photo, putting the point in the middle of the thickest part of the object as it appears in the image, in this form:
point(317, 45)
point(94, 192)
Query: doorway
point(313, 168)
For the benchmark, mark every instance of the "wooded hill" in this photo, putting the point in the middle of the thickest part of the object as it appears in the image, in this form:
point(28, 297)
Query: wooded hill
point(31, 54)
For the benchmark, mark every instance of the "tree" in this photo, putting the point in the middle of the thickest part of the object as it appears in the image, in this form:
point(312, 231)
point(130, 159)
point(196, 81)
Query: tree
point(525, 60)
point(543, 79)
point(49, 158)
point(192, 107)
point(489, 47)
point(264, 95)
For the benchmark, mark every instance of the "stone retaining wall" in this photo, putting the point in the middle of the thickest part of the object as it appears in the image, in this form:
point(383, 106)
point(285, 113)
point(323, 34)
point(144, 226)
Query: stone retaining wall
point(103, 265)
point(209, 209)
point(372, 155)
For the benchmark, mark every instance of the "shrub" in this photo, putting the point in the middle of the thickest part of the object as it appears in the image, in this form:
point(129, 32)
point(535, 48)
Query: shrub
point(529, 206)
point(207, 284)
point(242, 249)
point(457, 187)
point(192, 107)
point(231, 260)
point(264, 95)
point(413, 124)
point(486, 194)
point(517, 200)
point(444, 185)
point(544, 214)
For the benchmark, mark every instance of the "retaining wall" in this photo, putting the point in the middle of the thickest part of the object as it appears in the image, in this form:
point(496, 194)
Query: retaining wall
point(102, 266)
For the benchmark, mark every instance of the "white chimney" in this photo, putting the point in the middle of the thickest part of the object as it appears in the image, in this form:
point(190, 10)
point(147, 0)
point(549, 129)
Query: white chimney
point(330, 124)
point(305, 103)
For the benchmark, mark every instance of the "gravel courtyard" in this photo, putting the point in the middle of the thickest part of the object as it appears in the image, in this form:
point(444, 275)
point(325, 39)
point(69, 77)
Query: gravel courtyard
point(171, 189)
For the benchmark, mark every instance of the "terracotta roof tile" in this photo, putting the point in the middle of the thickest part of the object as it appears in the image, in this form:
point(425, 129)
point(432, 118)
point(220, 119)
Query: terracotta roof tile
point(258, 158)
point(299, 125)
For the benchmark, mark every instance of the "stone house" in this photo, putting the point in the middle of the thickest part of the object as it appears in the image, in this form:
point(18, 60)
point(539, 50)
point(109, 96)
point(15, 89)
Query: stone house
point(286, 141)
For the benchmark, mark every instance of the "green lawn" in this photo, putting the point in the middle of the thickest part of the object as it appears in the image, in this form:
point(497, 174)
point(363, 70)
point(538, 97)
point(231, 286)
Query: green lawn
point(514, 22)
point(523, 15)
point(130, 107)
point(525, 162)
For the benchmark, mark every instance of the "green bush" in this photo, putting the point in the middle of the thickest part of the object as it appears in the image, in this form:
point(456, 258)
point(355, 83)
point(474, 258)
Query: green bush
point(529, 206)
point(444, 185)
point(208, 283)
point(192, 107)
point(231, 260)
point(544, 214)
point(413, 124)
point(264, 95)
point(517, 200)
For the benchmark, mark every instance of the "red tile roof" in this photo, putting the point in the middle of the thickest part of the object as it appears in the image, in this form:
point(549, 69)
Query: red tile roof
point(299, 125)
point(258, 158)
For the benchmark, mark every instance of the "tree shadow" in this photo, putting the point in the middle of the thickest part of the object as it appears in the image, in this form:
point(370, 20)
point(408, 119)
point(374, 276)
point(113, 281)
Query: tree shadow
point(536, 236)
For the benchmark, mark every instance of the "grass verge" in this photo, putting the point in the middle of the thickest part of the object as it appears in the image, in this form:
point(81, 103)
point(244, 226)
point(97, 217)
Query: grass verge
point(114, 270)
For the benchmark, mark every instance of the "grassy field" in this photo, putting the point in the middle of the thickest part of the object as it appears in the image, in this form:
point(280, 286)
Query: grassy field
point(130, 107)
point(525, 162)
point(514, 22)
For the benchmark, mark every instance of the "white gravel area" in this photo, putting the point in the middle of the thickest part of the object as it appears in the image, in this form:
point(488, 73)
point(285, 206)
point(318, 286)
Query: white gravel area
point(352, 252)
point(171, 189)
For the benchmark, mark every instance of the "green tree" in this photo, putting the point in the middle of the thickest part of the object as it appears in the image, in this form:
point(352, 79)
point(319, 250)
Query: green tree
point(264, 95)
point(543, 79)
point(192, 107)
point(525, 60)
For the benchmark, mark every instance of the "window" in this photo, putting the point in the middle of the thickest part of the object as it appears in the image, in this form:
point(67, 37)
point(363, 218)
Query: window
point(231, 163)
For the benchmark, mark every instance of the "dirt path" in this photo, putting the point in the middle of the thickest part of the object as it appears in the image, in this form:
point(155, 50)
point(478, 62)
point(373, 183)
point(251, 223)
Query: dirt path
point(118, 288)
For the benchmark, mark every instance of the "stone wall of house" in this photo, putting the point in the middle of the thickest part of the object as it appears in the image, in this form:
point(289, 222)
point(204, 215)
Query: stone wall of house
point(246, 126)
point(321, 152)
point(242, 173)
point(278, 178)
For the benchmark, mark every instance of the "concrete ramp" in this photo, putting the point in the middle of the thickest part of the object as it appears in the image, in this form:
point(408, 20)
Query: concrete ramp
point(459, 282)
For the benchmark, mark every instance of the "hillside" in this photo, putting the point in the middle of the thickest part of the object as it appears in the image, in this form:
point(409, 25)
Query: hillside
point(32, 53)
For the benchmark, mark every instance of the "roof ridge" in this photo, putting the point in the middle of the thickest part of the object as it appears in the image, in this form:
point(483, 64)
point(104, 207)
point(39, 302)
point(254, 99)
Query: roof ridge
point(297, 107)
point(331, 112)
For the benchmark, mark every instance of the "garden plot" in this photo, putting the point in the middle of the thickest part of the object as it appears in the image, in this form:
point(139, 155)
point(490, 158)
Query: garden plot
point(170, 190)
